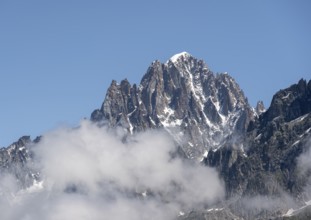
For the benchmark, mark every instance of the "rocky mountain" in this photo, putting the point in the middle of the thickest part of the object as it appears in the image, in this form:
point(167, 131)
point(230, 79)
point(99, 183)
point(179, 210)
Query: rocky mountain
point(262, 155)
point(256, 151)
point(198, 108)
point(273, 145)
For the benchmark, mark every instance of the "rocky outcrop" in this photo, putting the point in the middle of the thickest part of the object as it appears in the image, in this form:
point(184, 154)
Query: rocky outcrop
point(260, 108)
point(14, 161)
point(290, 103)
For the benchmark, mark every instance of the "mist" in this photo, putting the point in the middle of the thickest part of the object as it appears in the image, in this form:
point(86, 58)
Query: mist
point(304, 165)
point(284, 202)
point(90, 173)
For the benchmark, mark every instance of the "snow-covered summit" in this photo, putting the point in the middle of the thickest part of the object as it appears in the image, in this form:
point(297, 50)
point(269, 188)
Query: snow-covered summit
point(178, 56)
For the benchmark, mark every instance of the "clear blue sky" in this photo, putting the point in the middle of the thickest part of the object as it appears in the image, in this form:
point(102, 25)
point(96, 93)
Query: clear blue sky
point(58, 57)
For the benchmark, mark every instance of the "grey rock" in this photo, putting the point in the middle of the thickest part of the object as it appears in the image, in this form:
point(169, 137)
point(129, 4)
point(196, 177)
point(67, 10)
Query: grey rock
point(260, 108)
point(265, 161)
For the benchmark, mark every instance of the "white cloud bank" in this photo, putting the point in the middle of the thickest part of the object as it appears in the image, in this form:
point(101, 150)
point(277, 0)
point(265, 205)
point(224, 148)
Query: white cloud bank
point(88, 173)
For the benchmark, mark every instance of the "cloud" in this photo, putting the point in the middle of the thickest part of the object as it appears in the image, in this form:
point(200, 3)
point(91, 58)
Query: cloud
point(90, 173)
point(264, 206)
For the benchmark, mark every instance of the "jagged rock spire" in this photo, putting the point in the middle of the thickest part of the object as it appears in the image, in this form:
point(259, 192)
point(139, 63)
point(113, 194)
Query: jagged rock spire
point(198, 108)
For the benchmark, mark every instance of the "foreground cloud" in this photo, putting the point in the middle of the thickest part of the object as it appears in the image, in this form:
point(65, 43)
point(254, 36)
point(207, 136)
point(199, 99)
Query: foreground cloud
point(89, 173)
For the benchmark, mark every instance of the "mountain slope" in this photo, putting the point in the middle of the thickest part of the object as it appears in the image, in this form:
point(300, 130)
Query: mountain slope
point(274, 144)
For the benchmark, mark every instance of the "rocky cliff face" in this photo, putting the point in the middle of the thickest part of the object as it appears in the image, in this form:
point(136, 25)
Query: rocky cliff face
point(273, 144)
point(198, 108)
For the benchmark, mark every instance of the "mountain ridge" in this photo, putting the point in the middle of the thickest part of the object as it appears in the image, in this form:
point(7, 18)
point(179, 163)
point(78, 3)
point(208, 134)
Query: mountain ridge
point(260, 154)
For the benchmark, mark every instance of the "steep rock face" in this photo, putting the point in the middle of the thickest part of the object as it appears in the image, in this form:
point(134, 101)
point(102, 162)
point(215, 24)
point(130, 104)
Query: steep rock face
point(198, 108)
point(290, 103)
point(266, 161)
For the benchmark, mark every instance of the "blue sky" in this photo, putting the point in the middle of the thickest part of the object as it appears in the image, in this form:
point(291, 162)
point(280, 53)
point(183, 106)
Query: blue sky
point(58, 57)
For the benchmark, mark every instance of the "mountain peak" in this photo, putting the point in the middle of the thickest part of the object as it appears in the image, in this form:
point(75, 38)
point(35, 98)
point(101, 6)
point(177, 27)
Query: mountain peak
point(186, 99)
point(177, 57)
